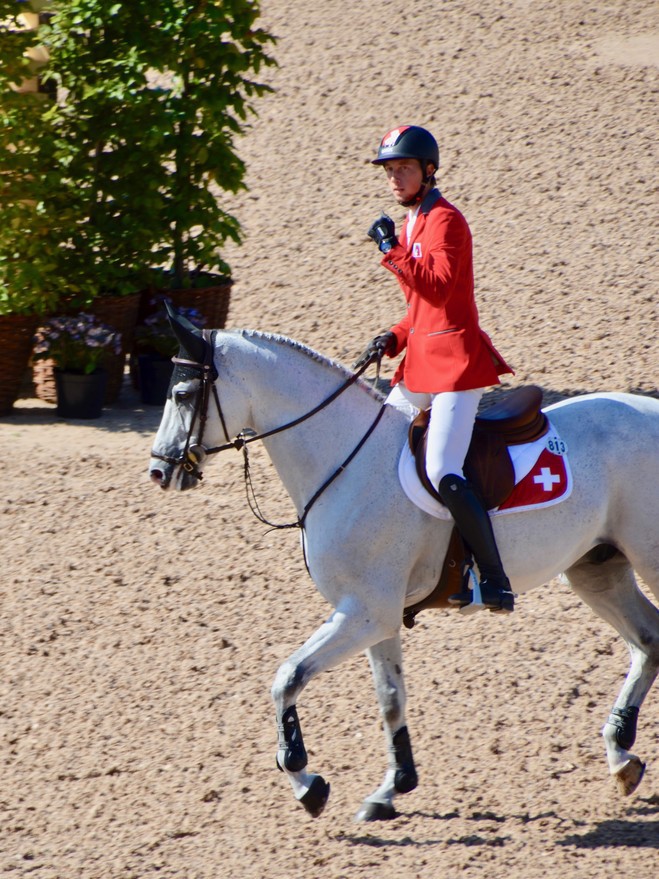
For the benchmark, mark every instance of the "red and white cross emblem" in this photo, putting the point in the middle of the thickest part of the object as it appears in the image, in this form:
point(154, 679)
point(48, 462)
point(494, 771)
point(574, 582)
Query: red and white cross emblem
point(546, 482)
point(547, 479)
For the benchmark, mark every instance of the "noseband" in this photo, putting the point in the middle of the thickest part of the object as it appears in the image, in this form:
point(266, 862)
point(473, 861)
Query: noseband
point(195, 452)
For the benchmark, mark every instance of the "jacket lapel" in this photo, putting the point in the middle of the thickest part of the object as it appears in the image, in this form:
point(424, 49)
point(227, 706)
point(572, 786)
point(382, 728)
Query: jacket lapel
point(427, 203)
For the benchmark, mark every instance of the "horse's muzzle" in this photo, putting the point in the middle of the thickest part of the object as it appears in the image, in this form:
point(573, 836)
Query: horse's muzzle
point(169, 475)
point(161, 473)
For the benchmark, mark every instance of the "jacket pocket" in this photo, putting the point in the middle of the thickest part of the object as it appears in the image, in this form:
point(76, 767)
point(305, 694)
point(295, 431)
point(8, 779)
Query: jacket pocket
point(442, 332)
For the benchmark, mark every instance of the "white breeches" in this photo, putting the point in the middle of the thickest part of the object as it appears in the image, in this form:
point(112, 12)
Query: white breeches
point(452, 416)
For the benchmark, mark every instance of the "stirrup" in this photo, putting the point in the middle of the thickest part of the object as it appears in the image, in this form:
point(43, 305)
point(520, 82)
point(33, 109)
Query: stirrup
point(483, 596)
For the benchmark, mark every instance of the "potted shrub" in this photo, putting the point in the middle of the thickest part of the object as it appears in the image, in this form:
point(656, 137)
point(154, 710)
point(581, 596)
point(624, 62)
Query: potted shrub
point(78, 346)
point(121, 178)
point(156, 94)
point(24, 291)
point(100, 208)
point(205, 55)
point(49, 254)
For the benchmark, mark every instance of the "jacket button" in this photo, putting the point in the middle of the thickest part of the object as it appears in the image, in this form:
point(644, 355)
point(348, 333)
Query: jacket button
point(411, 330)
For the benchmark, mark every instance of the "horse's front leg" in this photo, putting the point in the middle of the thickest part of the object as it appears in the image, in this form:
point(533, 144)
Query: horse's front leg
point(348, 631)
point(401, 778)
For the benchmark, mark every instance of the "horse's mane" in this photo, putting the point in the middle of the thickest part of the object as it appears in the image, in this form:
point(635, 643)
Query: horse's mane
point(328, 362)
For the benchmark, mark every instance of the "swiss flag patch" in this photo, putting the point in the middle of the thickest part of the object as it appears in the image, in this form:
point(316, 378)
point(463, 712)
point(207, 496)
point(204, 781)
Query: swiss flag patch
point(546, 483)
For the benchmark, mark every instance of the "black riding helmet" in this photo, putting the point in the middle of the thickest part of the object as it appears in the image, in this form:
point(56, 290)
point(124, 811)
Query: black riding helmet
point(408, 142)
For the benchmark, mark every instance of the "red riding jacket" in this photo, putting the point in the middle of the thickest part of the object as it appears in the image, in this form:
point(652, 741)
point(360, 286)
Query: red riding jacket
point(446, 348)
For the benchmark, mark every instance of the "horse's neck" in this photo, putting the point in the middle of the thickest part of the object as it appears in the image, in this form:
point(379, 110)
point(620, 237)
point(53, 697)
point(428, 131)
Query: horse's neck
point(289, 382)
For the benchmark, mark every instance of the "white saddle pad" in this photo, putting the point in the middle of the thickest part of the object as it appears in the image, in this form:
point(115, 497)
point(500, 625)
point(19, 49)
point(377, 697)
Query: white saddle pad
point(542, 478)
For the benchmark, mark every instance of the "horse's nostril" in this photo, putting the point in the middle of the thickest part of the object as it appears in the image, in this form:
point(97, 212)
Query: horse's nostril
point(157, 476)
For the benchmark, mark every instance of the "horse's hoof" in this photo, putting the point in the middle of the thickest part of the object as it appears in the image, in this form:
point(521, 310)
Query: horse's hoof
point(376, 812)
point(629, 777)
point(315, 799)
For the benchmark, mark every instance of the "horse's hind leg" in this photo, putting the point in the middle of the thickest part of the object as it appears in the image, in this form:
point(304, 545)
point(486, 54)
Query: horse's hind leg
point(610, 590)
point(387, 667)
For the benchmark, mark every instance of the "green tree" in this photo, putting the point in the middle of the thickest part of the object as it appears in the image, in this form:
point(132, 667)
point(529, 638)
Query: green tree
point(127, 170)
point(27, 252)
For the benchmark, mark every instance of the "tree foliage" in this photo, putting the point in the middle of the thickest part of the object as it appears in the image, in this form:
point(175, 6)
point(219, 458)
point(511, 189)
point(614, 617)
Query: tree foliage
point(130, 168)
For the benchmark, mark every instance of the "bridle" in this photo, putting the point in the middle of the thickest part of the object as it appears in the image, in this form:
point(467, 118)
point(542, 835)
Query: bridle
point(194, 452)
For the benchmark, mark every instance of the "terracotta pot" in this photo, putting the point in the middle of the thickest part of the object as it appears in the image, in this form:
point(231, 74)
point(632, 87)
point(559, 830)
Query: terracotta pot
point(212, 302)
point(43, 378)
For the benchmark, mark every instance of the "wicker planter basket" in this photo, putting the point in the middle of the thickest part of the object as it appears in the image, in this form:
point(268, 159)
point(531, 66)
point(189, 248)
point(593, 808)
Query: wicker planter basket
point(212, 302)
point(16, 335)
point(119, 312)
point(43, 378)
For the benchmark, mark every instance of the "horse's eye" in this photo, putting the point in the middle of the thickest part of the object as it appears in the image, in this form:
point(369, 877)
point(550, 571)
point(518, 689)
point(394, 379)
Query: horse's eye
point(183, 396)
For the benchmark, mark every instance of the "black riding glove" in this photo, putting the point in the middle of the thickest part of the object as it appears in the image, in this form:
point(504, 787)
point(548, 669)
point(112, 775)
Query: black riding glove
point(383, 232)
point(383, 344)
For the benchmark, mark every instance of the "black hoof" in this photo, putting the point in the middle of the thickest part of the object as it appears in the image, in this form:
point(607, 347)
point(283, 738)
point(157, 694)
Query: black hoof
point(376, 812)
point(315, 799)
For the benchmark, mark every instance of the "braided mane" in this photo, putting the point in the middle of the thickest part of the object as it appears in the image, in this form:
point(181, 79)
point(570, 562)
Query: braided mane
point(311, 354)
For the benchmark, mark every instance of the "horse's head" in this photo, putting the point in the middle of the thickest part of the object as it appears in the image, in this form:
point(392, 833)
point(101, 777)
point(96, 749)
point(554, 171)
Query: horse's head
point(268, 385)
point(181, 443)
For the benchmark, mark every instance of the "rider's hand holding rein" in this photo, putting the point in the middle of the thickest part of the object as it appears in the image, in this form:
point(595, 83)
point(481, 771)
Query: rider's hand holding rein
point(383, 344)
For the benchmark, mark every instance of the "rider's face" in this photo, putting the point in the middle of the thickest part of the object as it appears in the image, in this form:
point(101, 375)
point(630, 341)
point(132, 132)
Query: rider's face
point(404, 177)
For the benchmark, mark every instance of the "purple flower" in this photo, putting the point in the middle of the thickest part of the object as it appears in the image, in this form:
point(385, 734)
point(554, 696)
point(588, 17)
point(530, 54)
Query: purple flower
point(76, 343)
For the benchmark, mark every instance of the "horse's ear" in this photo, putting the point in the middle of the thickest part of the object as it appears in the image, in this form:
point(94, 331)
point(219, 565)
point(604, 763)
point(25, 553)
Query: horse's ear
point(189, 336)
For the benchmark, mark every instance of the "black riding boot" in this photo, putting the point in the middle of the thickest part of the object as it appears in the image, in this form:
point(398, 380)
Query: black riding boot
point(473, 523)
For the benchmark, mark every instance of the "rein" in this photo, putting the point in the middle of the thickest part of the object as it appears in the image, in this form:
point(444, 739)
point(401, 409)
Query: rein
point(194, 453)
point(242, 439)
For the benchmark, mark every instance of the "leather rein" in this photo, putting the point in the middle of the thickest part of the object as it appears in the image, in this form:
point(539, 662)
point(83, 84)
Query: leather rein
point(194, 453)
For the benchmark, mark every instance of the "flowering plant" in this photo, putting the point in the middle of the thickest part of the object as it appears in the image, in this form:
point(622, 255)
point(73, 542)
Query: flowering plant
point(76, 344)
point(155, 334)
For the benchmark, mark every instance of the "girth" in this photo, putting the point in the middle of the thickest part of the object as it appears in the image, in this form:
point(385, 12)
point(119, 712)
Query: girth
point(515, 419)
point(450, 580)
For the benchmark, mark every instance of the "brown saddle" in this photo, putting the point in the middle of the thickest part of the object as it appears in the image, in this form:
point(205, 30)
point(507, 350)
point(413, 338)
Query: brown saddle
point(514, 420)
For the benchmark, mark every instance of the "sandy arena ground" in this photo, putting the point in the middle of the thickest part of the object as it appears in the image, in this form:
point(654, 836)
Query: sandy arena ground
point(140, 631)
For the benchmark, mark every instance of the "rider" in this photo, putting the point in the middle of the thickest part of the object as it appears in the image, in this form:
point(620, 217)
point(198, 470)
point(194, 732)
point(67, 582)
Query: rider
point(449, 360)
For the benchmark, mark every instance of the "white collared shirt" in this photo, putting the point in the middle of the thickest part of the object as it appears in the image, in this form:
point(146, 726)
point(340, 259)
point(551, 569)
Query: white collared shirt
point(411, 220)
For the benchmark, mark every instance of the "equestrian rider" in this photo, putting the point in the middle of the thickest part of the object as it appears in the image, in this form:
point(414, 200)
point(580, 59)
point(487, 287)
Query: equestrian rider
point(449, 360)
